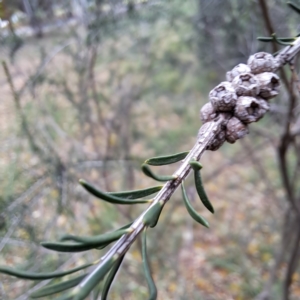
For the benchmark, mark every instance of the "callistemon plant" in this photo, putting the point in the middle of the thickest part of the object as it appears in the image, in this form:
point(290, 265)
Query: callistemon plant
point(233, 105)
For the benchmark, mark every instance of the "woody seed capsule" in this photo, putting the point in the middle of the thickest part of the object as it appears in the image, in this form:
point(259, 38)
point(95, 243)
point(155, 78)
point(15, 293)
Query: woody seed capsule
point(269, 85)
point(249, 109)
point(246, 84)
point(207, 113)
point(262, 62)
point(235, 130)
point(236, 71)
point(217, 142)
point(223, 97)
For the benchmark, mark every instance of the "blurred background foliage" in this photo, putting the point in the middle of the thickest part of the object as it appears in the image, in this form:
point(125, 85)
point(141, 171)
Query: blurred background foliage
point(99, 86)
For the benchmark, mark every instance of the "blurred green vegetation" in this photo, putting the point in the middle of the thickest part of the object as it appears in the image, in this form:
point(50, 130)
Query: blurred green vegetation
point(105, 92)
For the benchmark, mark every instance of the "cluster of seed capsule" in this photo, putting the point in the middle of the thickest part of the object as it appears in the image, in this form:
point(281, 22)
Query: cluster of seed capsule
point(244, 96)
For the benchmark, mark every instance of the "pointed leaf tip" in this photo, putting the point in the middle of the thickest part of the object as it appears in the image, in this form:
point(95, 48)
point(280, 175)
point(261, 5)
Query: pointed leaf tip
point(148, 172)
point(195, 165)
point(147, 271)
point(108, 197)
point(167, 159)
point(199, 186)
point(192, 212)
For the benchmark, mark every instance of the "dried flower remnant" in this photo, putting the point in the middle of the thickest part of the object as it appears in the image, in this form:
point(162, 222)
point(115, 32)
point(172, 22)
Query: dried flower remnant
point(236, 71)
point(262, 62)
point(235, 130)
point(223, 97)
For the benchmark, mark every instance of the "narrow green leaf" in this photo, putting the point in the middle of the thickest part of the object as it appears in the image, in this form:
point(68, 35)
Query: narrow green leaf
point(109, 197)
point(80, 292)
point(280, 42)
point(147, 271)
point(282, 39)
point(147, 171)
point(68, 247)
point(166, 160)
point(102, 247)
point(265, 39)
point(109, 280)
point(96, 240)
point(195, 165)
point(199, 186)
point(40, 276)
point(123, 227)
point(152, 215)
point(295, 7)
point(193, 213)
point(84, 243)
point(57, 288)
point(287, 39)
point(135, 194)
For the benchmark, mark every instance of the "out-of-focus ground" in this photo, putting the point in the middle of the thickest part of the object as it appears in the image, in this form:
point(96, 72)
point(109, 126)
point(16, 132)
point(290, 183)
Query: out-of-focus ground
point(101, 103)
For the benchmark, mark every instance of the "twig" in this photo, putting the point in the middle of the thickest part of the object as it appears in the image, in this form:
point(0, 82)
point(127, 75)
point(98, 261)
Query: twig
point(286, 239)
point(24, 122)
point(292, 264)
point(21, 243)
point(256, 162)
point(285, 143)
point(270, 29)
point(26, 194)
point(43, 65)
point(9, 232)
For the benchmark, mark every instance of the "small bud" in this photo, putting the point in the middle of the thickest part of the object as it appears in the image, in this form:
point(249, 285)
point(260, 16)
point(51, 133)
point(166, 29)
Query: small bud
point(207, 113)
point(235, 130)
point(269, 85)
point(236, 71)
point(217, 142)
point(249, 109)
point(223, 97)
point(246, 84)
point(262, 62)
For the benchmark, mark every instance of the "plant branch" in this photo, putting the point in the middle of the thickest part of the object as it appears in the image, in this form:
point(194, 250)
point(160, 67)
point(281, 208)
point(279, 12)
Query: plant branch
point(206, 135)
point(270, 29)
point(292, 263)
